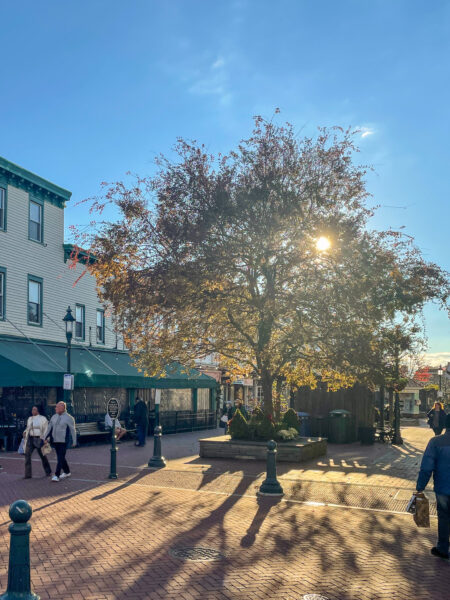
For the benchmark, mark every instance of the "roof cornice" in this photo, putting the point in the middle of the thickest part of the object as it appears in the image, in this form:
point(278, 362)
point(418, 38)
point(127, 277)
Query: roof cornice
point(32, 183)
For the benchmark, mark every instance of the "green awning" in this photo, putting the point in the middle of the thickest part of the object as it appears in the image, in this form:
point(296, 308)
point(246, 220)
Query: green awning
point(26, 363)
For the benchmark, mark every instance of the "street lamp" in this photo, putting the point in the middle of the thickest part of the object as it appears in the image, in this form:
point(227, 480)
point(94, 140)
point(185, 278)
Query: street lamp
point(440, 372)
point(69, 321)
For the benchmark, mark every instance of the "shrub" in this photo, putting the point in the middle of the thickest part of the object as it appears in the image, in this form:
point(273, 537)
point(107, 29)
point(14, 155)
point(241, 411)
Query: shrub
point(287, 434)
point(257, 414)
point(265, 429)
point(290, 419)
point(238, 427)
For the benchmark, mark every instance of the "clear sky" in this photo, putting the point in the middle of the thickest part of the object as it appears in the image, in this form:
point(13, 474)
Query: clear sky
point(91, 89)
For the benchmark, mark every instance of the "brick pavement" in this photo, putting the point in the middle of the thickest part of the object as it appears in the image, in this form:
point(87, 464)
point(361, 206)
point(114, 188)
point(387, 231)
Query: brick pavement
point(98, 540)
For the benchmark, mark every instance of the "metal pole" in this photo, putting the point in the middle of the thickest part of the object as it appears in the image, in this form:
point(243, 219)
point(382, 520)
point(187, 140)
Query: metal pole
point(271, 486)
point(19, 581)
point(113, 467)
point(68, 394)
point(157, 461)
point(382, 406)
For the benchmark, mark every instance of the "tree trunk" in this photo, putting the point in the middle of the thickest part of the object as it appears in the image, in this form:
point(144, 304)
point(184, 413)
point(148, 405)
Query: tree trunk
point(267, 387)
point(391, 406)
point(277, 400)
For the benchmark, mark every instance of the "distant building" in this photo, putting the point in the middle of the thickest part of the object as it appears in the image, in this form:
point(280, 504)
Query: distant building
point(38, 282)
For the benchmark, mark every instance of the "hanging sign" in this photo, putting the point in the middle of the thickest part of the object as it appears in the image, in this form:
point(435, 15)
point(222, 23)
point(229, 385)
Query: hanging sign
point(68, 382)
point(157, 396)
point(113, 408)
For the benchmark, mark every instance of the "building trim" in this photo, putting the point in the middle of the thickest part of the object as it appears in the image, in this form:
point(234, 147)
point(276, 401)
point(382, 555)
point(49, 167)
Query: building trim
point(4, 186)
point(3, 315)
point(33, 184)
point(73, 252)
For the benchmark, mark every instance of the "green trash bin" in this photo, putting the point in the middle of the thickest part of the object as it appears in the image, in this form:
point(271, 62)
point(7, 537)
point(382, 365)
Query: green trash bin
point(340, 425)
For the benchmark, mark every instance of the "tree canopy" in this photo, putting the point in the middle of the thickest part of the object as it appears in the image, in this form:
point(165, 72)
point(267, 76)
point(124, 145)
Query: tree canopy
point(219, 254)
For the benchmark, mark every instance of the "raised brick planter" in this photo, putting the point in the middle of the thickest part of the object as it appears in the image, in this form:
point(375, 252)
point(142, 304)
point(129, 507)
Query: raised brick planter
point(299, 450)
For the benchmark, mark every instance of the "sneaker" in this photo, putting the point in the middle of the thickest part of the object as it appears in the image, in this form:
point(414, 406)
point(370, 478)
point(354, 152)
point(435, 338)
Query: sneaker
point(64, 475)
point(436, 552)
point(55, 478)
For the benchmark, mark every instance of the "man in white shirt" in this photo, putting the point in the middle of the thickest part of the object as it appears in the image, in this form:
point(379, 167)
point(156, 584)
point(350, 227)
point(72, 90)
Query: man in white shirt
point(120, 431)
point(34, 436)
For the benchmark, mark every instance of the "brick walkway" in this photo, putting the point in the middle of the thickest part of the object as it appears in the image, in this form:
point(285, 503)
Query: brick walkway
point(99, 540)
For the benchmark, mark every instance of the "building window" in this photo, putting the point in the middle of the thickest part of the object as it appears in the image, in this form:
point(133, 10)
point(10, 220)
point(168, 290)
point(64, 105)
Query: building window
point(101, 326)
point(34, 300)
point(36, 221)
point(2, 208)
point(79, 321)
point(2, 293)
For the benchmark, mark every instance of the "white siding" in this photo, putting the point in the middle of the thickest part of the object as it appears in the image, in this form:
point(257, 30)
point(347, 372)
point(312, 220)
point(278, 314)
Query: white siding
point(22, 257)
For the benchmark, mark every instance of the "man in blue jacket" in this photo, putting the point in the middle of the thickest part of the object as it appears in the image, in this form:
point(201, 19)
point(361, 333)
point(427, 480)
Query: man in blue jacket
point(436, 461)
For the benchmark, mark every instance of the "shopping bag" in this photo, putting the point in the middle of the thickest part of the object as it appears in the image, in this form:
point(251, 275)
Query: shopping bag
point(21, 449)
point(46, 449)
point(422, 511)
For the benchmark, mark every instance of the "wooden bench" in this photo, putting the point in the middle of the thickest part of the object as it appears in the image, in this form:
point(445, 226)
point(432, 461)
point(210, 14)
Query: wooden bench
point(96, 428)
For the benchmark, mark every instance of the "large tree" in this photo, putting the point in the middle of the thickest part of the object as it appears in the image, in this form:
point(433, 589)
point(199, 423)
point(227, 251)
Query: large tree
point(221, 255)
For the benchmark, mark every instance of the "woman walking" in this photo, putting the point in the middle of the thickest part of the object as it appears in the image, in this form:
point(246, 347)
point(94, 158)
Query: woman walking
point(34, 436)
point(436, 418)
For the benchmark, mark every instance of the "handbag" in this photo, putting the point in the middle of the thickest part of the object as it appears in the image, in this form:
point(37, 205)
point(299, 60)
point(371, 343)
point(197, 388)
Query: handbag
point(422, 510)
point(21, 449)
point(46, 449)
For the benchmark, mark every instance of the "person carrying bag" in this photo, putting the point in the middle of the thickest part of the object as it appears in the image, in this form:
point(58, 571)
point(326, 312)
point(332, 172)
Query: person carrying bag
point(33, 439)
point(436, 462)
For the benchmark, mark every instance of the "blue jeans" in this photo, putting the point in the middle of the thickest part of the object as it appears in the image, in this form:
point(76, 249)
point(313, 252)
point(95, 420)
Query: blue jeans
point(141, 433)
point(443, 512)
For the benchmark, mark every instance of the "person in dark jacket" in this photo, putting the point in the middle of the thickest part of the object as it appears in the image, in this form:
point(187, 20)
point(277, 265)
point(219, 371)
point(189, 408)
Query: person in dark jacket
point(436, 461)
point(436, 418)
point(141, 420)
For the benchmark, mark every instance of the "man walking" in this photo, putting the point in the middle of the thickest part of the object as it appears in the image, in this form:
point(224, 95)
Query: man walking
point(436, 461)
point(60, 429)
point(141, 420)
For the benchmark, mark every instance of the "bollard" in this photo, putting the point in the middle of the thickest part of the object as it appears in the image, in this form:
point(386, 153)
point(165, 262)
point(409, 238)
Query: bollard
point(113, 467)
point(19, 583)
point(157, 461)
point(271, 486)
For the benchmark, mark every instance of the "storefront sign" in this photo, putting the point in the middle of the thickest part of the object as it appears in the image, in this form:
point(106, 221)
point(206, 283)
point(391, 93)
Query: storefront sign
point(113, 408)
point(68, 382)
point(248, 382)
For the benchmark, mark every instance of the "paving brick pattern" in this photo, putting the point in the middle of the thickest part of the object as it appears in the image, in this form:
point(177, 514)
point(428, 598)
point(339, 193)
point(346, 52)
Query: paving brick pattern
point(93, 539)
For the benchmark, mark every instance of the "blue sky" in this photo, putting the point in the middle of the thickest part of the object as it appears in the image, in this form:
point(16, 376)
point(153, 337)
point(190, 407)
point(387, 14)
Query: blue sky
point(93, 89)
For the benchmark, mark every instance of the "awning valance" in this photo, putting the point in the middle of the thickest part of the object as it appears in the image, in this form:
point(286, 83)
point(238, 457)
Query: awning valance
point(26, 363)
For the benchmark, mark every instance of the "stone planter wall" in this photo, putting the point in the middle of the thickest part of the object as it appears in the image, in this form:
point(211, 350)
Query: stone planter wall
point(298, 450)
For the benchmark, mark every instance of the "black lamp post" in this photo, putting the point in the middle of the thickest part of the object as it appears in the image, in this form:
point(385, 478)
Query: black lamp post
point(69, 321)
point(397, 439)
point(440, 372)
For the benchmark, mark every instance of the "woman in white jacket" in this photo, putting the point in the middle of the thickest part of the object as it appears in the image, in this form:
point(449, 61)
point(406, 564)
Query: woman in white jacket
point(34, 436)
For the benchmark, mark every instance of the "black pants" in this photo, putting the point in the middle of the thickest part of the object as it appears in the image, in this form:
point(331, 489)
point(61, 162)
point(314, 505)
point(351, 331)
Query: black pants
point(31, 446)
point(61, 449)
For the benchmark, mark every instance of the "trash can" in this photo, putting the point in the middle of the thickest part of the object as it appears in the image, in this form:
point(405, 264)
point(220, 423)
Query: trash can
point(340, 423)
point(367, 435)
point(305, 425)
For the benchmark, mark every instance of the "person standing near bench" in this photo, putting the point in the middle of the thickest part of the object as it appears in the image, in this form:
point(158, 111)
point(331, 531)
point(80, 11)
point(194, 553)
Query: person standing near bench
point(34, 436)
point(141, 420)
point(59, 430)
point(120, 431)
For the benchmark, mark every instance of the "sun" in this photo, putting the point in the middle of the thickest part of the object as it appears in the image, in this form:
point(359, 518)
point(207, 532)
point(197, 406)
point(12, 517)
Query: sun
point(323, 243)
